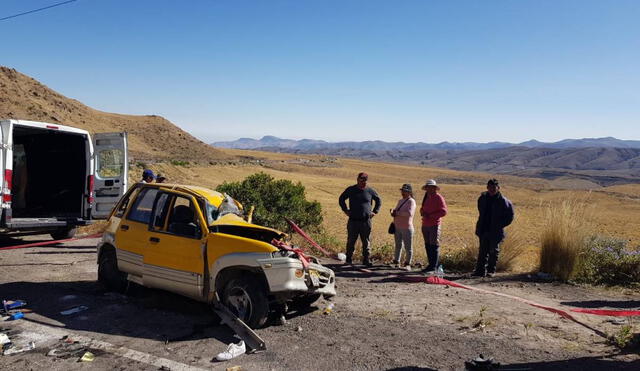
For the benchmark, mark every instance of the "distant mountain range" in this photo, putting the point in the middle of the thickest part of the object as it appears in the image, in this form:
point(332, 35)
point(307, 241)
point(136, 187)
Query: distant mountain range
point(596, 161)
point(378, 145)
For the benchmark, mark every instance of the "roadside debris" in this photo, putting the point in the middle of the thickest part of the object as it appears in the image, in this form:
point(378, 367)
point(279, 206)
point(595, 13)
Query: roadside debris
point(7, 305)
point(16, 350)
point(74, 310)
point(328, 309)
point(87, 357)
point(16, 316)
point(4, 339)
point(299, 329)
point(342, 257)
point(233, 350)
point(481, 363)
point(234, 368)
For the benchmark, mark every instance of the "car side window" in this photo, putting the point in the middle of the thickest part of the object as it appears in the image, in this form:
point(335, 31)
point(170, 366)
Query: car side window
point(122, 206)
point(182, 218)
point(160, 211)
point(141, 209)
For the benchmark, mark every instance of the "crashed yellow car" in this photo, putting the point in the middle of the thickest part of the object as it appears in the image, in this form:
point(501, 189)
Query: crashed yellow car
point(194, 242)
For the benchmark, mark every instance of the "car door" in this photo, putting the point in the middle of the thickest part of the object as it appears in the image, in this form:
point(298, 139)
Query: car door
point(132, 233)
point(174, 258)
point(111, 171)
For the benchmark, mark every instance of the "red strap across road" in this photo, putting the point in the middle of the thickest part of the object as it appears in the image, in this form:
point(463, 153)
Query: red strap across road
point(45, 243)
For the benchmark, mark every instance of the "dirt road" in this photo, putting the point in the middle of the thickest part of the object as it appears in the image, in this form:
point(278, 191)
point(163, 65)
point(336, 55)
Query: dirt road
point(380, 322)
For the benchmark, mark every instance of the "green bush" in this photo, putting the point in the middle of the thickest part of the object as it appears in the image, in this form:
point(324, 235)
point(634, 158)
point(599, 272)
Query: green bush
point(274, 200)
point(607, 261)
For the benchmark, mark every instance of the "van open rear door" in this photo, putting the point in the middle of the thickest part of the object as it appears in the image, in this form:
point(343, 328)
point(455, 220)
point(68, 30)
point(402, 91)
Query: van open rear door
point(112, 167)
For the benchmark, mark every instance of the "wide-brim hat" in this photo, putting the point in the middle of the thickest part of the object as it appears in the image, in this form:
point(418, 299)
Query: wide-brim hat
point(406, 188)
point(430, 183)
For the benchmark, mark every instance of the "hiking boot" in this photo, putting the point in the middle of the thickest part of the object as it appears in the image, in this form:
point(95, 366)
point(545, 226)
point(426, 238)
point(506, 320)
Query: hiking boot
point(367, 263)
point(477, 274)
point(428, 270)
point(407, 267)
point(394, 264)
point(490, 274)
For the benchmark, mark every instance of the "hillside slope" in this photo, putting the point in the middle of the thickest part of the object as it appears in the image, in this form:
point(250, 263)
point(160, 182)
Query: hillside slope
point(150, 137)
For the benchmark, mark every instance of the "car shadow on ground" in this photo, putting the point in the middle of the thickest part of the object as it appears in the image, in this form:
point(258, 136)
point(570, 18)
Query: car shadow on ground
point(582, 363)
point(142, 313)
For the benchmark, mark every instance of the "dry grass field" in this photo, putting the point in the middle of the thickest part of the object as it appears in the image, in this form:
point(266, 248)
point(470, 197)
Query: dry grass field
point(613, 212)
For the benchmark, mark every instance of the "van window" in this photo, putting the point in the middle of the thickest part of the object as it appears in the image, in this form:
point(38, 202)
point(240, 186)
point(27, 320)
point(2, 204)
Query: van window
point(110, 163)
point(141, 209)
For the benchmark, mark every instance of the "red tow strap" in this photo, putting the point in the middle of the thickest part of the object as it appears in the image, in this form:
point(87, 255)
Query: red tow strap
point(599, 312)
point(313, 243)
point(45, 243)
point(304, 259)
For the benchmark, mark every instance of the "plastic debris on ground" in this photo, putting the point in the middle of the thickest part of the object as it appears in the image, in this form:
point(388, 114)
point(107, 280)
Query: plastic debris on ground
point(482, 363)
point(4, 339)
point(233, 350)
point(15, 316)
point(87, 357)
point(329, 308)
point(16, 350)
point(7, 305)
point(74, 310)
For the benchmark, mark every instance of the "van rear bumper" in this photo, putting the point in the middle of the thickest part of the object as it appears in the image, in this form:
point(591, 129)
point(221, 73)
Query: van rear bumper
point(35, 224)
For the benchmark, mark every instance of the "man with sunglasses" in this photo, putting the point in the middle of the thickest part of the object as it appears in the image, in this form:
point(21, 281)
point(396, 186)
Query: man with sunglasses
point(359, 211)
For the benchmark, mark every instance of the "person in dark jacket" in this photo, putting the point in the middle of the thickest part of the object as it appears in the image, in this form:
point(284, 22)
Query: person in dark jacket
point(360, 197)
point(495, 213)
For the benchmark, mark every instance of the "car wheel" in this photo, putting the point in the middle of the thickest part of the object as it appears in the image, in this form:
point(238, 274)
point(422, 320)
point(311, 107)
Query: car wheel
point(304, 302)
point(108, 273)
point(63, 234)
point(247, 299)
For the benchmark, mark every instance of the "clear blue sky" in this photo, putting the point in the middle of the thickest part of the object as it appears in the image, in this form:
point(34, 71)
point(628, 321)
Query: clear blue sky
point(345, 69)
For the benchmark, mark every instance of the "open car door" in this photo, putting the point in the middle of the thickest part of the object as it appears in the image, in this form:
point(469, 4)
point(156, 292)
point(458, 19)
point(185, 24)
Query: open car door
point(112, 168)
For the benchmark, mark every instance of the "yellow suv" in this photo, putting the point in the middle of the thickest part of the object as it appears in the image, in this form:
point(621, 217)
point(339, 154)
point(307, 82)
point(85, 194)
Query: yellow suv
point(193, 241)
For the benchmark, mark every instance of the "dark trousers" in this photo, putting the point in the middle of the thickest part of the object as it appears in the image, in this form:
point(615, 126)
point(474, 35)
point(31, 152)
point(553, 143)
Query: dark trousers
point(355, 229)
point(488, 255)
point(432, 245)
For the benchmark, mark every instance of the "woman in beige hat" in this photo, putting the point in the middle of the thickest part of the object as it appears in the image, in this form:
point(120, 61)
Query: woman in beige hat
point(433, 209)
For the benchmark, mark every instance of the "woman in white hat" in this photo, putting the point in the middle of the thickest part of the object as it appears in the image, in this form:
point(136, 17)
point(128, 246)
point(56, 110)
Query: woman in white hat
point(403, 221)
point(433, 209)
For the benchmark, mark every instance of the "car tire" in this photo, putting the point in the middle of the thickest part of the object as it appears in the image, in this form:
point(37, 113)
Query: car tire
point(64, 233)
point(108, 273)
point(304, 302)
point(247, 299)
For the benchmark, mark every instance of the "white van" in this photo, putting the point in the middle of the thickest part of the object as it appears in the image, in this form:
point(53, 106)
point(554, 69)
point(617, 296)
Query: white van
point(55, 178)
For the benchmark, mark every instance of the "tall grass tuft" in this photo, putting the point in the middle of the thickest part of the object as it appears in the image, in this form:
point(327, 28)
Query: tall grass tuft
point(563, 237)
point(512, 248)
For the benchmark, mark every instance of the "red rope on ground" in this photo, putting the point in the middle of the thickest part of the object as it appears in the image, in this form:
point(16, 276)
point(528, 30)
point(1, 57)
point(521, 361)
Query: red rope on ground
point(441, 281)
point(45, 243)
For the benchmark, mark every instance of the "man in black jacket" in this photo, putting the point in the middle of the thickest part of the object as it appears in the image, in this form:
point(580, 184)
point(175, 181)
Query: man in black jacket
point(359, 212)
point(496, 212)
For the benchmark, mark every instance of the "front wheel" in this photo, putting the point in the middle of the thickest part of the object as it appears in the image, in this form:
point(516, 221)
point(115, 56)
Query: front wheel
point(247, 299)
point(108, 273)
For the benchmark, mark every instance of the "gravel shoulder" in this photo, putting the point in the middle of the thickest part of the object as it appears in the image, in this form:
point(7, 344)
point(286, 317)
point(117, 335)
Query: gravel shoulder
point(380, 321)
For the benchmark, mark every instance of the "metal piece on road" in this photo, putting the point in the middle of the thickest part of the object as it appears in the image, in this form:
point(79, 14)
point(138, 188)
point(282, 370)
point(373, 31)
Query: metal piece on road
point(239, 327)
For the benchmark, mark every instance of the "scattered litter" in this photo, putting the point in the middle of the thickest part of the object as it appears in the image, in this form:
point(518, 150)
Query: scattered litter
point(87, 357)
point(4, 339)
point(617, 321)
point(329, 308)
point(299, 329)
point(233, 350)
point(16, 316)
point(16, 350)
point(234, 368)
point(281, 321)
point(68, 350)
point(479, 327)
point(74, 310)
point(544, 276)
point(342, 257)
point(13, 304)
point(481, 363)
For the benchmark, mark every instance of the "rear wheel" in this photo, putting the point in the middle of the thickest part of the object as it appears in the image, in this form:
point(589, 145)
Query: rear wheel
point(108, 273)
point(64, 233)
point(247, 299)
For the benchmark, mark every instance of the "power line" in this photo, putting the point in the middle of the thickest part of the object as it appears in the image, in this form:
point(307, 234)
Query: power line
point(37, 10)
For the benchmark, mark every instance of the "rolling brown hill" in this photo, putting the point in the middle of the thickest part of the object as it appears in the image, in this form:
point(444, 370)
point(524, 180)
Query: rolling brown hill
point(150, 137)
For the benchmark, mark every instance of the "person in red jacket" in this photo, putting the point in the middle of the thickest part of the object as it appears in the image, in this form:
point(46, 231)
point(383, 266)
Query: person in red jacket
point(433, 209)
